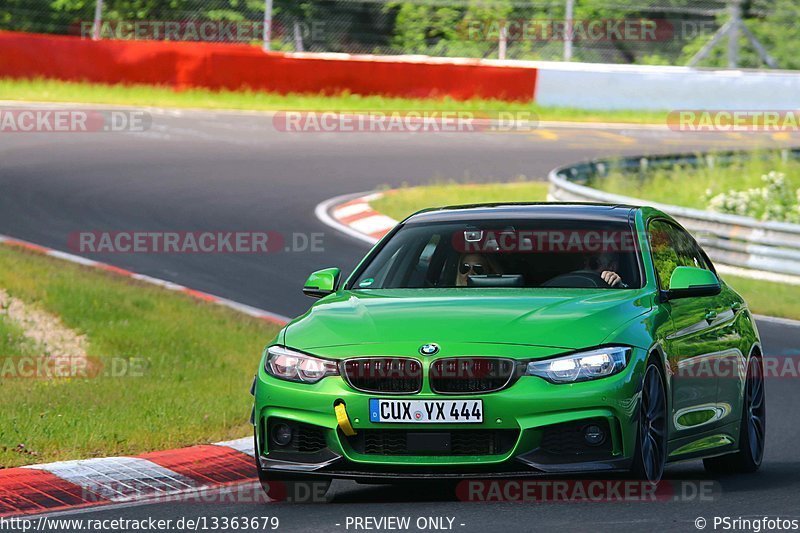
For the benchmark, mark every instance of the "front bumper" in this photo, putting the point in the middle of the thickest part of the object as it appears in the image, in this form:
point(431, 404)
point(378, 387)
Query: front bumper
point(532, 410)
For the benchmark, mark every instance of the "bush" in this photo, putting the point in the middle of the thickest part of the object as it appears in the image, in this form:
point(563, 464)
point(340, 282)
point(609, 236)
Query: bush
point(774, 201)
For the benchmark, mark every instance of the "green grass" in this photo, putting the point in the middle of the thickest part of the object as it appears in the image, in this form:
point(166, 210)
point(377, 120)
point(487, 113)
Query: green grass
point(766, 298)
point(147, 95)
point(688, 186)
point(197, 363)
point(12, 342)
point(399, 203)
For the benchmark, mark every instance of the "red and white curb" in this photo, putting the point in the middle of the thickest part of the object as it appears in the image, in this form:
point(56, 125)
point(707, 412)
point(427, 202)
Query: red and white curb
point(65, 485)
point(236, 306)
point(352, 214)
point(71, 484)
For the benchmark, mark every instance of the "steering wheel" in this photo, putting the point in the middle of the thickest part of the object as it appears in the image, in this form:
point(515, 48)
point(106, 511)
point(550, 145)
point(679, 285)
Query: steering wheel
point(579, 279)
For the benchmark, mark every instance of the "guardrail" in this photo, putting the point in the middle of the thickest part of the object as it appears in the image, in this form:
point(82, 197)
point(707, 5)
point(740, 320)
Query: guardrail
point(732, 240)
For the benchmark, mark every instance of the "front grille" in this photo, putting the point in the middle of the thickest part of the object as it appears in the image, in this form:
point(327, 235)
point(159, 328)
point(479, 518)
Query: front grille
point(471, 375)
point(446, 443)
point(305, 437)
point(391, 375)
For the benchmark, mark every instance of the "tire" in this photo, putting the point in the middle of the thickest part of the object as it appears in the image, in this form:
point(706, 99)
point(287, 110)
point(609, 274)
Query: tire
point(292, 488)
point(752, 430)
point(650, 454)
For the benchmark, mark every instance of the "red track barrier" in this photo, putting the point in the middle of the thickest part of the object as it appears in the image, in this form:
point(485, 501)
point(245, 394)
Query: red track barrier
point(232, 66)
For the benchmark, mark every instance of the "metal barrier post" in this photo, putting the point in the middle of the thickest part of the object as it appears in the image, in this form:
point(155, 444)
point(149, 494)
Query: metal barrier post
point(267, 24)
point(98, 19)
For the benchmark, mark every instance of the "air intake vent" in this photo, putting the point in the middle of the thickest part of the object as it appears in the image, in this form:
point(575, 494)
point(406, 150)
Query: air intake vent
point(389, 442)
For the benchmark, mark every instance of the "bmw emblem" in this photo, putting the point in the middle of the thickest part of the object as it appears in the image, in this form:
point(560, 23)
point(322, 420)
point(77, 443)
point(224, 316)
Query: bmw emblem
point(429, 349)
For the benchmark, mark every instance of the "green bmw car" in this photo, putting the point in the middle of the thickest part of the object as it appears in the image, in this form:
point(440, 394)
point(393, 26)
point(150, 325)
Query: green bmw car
point(514, 340)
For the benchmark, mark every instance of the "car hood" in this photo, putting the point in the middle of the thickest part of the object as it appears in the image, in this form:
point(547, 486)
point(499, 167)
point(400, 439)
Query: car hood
point(558, 318)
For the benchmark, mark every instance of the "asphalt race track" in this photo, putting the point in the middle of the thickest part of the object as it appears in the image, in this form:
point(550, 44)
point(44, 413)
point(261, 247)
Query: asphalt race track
point(197, 171)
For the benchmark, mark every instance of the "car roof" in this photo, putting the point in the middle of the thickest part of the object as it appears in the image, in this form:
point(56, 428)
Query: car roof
point(506, 210)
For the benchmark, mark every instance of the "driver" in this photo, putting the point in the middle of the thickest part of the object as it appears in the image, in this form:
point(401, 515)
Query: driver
point(471, 265)
point(605, 264)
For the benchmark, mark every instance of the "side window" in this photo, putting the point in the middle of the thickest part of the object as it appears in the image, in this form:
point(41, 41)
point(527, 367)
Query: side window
point(673, 247)
point(688, 252)
point(665, 260)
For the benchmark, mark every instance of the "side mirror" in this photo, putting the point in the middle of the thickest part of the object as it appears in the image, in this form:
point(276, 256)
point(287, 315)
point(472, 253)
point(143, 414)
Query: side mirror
point(322, 283)
point(687, 282)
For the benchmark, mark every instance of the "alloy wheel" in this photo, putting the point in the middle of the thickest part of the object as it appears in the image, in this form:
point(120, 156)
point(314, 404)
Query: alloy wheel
point(756, 410)
point(652, 425)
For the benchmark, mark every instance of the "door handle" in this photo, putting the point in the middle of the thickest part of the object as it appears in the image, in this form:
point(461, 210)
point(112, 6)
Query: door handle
point(710, 316)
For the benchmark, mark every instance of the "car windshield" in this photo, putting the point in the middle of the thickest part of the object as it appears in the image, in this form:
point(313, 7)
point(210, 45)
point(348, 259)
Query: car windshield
point(549, 253)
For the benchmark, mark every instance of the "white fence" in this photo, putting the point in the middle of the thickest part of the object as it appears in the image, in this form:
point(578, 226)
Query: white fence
point(638, 87)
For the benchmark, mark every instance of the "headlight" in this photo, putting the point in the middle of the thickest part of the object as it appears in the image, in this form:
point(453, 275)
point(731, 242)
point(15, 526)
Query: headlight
point(581, 366)
point(287, 364)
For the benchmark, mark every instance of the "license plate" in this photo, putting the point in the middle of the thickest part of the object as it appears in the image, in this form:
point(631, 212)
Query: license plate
point(426, 411)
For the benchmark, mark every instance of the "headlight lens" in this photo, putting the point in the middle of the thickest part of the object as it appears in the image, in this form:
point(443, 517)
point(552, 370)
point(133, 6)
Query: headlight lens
point(290, 365)
point(581, 366)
